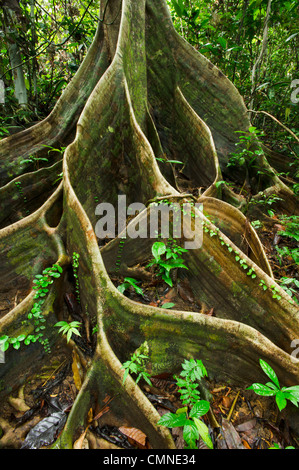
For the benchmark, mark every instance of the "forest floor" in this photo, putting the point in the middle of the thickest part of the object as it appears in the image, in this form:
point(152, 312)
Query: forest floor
point(238, 418)
point(34, 416)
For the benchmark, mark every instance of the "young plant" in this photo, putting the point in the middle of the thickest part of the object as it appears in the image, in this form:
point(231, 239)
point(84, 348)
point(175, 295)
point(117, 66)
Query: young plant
point(34, 159)
point(285, 251)
point(245, 157)
point(75, 264)
point(282, 394)
point(194, 408)
point(290, 285)
point(129, 281)
point(167, 258)
point(69, 329)
point(291, 229)
point(41, 286)
point(137, 364)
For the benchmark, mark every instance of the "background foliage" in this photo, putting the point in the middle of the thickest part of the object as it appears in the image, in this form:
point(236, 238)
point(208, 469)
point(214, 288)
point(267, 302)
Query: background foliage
point(54, 35)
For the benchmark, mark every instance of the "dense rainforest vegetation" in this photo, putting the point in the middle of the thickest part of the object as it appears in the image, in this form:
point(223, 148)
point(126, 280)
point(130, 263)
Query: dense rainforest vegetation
point(161, 102)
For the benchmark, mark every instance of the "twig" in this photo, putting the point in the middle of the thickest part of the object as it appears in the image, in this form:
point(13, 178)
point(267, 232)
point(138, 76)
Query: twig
point(233, 407)
point(276, 120)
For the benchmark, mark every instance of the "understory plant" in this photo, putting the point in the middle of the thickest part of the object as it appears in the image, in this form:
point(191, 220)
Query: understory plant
point(245, 155)
point(189, 416)
point(68, 329)
point(130, 282)
point(41, 285)
point(137, 364)
point(167, 257)
point(273, 388)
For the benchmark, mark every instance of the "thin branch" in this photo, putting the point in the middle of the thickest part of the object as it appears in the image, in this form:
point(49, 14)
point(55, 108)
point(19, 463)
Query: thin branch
point(276, 120)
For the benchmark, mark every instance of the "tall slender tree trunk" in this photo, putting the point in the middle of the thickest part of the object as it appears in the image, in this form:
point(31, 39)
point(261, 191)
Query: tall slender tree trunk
point(11, 20)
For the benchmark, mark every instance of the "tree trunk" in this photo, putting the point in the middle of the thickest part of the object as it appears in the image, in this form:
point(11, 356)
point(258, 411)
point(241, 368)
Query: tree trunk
point(10, 22)
point(141, 94)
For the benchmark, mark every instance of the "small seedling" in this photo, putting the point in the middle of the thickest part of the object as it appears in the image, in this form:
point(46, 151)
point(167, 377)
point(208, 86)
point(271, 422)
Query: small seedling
point(194, 408)
point(273, 388)
point(69, 329)
point(290, 285)
point(137, 364)
point(168, 305)
point(246, 156)
point(291, 229)
point(167, 258)
point(40, 285)
point(128, 282)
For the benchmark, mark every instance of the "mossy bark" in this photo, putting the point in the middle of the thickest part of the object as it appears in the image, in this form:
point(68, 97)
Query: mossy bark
point(142, 93)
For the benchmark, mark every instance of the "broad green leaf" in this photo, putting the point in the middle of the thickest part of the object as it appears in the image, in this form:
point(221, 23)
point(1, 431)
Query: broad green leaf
point(281, 400)
point(158, 249)
point(199, 409)
point(171, 420)
point(222, 42)
point(182, 410)
point(294, 390)
point(269, 372)
point(21, 337)
point(122, 288)
point(168, 305)
point(262, 390)
point(61, 323)
point(125, 375)
point(190, 432)
point(203, 432)
point(4, 346)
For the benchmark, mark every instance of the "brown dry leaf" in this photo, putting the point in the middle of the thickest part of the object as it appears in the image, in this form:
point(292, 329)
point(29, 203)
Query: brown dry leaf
point(135, 436)
point(226, 402)
point(218, 389)
point(231, 436)
point(80, 442)
point(76, 368)
point(185, 291)
point(246, 426)
point(245, 443)
point(170, 295)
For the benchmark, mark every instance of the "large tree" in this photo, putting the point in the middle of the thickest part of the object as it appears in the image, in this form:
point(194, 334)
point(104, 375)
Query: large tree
point(141, 97)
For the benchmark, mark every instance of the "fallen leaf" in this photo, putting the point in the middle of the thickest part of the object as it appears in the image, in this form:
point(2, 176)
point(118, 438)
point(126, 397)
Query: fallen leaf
point(185, 291)
point(45, 432)
point(245, 443)
point(246, 426)
point(79, 443)
point(135, 436)
point(231, 436)
point(226, 402)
